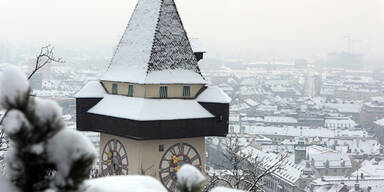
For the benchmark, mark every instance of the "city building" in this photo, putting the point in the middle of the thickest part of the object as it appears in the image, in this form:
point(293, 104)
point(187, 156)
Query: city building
point(371, 111)
point(379, 130)
point(153, 107)
point(326, 162)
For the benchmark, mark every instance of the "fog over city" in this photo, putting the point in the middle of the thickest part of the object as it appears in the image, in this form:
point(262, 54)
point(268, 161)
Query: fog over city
point(242, 29)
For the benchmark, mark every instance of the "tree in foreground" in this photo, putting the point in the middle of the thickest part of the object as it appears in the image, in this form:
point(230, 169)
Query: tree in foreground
point(43, 154)
point(45, 57)
point(242, 167)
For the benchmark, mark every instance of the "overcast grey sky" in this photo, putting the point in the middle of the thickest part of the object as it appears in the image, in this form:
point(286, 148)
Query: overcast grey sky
point(238, 28)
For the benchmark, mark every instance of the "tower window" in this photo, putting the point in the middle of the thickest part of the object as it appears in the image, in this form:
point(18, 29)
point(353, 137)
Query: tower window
point(186, 91)
point(163, 92)
point(114, 88)
point(130, 90)
point(161, 147)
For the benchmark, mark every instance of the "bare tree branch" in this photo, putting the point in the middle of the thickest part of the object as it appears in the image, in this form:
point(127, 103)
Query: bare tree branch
point(45, 56)
point(243, 169)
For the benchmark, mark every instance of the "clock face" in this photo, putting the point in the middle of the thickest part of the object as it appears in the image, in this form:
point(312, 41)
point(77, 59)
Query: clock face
point(114, 158)
point(175, 156)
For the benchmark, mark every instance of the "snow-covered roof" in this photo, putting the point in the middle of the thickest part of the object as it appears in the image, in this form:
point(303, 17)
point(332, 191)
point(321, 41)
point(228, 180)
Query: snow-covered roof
point(340, 122)
point(370, 171)
point(251, 102)
point(380, 122)
point(278, 119)
point(289, 172)
point(335, 160)
point(213, 94)
point(144, 109)
point(375, 183)
point(92, 89)
point(154, 47)
point(306, 132)
point(344, 108)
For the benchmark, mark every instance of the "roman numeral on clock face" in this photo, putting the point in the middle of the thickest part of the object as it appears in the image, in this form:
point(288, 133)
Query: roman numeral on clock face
point(194, 158)
point(181, 148)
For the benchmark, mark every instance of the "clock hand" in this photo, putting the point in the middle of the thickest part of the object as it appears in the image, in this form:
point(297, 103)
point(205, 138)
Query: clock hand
point(115, 164)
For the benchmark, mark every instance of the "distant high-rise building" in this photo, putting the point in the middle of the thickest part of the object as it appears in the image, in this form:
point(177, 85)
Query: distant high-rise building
point(312, 84)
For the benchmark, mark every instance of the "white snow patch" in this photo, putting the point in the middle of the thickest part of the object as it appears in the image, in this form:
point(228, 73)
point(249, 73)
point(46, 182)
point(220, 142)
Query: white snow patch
point(46, 110)
point(37, 148)
point(134, 49)
point(213, 94)
point(149, 109)
point(124, 184)
point(380, 122)
point(13, 122)
point(66, 147)
point(92, 89)
point(189, 176)
point(13, 84)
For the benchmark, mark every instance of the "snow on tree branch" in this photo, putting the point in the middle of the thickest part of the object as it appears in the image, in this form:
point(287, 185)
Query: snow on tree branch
point(43, 154)
point(14, 88)
point(241, 167)
point(189, 179)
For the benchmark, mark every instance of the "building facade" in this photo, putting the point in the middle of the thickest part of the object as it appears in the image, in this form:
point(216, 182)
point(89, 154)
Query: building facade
point(153, 107)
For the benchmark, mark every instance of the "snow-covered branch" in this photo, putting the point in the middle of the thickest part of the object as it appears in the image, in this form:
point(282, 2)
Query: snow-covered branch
point(242, 168)
point(43, 154)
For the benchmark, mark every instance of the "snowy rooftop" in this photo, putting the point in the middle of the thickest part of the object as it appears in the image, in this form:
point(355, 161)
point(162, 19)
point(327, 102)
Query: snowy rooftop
point(376, 183)
point(306, 132)
point(277, 119)
point(335, 160)
point(143, 109)
point(344, 108)
point(289, 172)
point(154, 47)
point(213, 94)
point(380, 122)
point(251, 102)
point(370, 170)
point(92, 89)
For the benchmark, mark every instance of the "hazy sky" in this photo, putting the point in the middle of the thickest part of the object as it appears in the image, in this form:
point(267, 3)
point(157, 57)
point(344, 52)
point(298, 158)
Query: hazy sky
point(234, 28)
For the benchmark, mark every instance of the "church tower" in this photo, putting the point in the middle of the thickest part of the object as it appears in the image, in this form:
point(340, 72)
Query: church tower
point(153, 107)
point(300, 150)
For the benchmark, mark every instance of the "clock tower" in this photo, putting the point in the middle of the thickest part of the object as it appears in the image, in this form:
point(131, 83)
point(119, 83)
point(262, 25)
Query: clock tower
point(152, 106)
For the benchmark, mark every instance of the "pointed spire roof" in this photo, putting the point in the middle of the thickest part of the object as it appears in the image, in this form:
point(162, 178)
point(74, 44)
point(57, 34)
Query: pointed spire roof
point(154, 48)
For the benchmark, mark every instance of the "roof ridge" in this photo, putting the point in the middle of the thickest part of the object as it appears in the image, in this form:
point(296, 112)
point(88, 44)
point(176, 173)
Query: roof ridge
point(153, 39)
point(165, 55)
